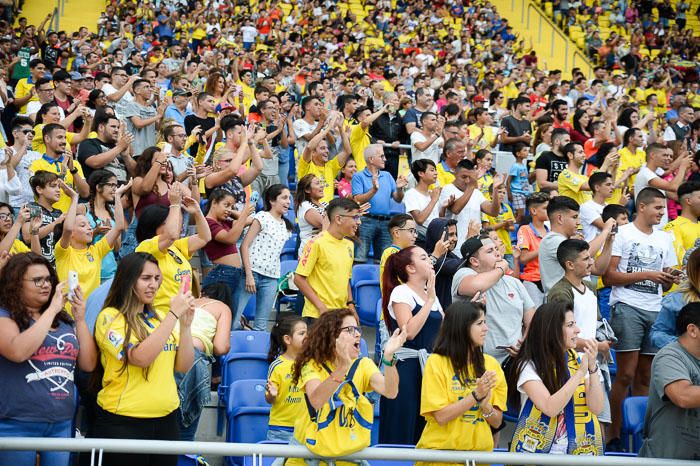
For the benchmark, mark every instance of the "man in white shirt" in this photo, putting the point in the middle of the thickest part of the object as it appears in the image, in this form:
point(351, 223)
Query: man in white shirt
point(310, 124)
point(118, 91)
point(45, 92)
point(21, 160)
point(681, 128)
point(463, 201)
point(639, 269)
point(602, 186)
point(426, 143)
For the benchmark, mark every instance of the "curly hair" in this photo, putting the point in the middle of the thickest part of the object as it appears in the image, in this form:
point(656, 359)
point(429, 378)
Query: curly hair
point(319, 345)
point(10, 296)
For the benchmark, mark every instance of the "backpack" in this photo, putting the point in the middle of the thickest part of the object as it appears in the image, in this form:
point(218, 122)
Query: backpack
point(340, 427)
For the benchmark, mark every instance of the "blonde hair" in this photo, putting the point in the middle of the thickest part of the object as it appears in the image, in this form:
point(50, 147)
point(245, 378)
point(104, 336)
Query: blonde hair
point(690, 287)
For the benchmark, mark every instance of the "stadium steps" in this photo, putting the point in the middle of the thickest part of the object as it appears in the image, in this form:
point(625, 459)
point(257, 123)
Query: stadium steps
point(76, 13)
point(551, 43)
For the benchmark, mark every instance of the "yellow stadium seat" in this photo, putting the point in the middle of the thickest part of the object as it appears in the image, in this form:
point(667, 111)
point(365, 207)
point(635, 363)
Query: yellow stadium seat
point(581, 43)
point(548, 9)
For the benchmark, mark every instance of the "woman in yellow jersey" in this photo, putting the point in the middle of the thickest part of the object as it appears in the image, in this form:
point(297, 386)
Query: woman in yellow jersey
point(211, 336)
point(286, 342)
point(140, 351)
point(9, 231)
point(484, 166)
point(323, 371)
point(51, 113)
point(558, 402)
point(464, 390)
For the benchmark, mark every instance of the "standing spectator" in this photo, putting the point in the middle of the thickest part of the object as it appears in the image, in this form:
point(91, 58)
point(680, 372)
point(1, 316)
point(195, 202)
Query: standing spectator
point(202, 124)
point(344, 186)
point(427, 142)
point(637, 273)
point(482, 132)
point(111, 149)
point(632, 156)
point(509, 308)
point(182, 163)
point(680, 129)
point(310, 124)
point(272, 146)
point(325, 267)
point(571, 183)
point(685, 229)
point(100, 213)
point(40, 346)
point(517, 126)
point(179, 109)
point(424, 103)
point(550, 164)
point(409, 303)
point(359, 134)
point(503, 224)
point(464, 390)
point(444, 231)
point(118, 90)
point(389, 128)
point(674, 393)
point(377, 187)
point(517, 182)
point(47, 192)
point(142, 119)
point(9, 230)
point(553, 385)
point(422, 202)
point(22, 158)
point(601, 184)
point(455, 150)
point(45, 91)
point(260, 255)
point(310, 211)
point(25, 91)
point(529, 238)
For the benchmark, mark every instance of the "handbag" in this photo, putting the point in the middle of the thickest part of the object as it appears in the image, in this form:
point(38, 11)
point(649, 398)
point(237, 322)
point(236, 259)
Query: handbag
point(342, 426)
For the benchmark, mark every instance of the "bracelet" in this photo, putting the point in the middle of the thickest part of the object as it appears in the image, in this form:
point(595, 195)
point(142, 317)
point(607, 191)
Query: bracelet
point(174, 205)
point(350, 302)
point(595, 370)
point(391, 363)
point(73, 171)
point(486, 416)
point(478, 400)
point(502, 271)
point(34, 232)
point(174, 315)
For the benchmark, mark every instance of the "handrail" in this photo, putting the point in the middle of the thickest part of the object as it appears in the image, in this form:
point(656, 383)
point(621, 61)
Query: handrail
point(161, 447)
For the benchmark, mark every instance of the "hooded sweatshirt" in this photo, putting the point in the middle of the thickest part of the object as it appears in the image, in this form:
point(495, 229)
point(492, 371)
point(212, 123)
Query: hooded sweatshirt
point(444, 271)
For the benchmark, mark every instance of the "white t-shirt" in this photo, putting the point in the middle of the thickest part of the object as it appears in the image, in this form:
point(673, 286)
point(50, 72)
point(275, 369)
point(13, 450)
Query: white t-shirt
point(405, 295)
point(586, 312)
point(639, 252)
point(641, 181)
point(433, 151)
point(249, 33)
point(590, 211)
point(471, 211)
point(306, 230)
point(302, 128)
point(414, 200)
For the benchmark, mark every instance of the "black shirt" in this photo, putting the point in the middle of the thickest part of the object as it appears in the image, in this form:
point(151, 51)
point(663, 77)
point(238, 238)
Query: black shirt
point(192, 121)
point(515, 128)
point(91, 147)
point(552, 163)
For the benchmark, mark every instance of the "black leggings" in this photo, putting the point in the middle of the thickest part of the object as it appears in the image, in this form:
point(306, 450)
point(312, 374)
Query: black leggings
point(109, 425)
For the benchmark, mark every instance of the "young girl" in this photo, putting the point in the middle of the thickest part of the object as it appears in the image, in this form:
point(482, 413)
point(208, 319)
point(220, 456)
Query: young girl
point(100, 215)
point(260, 254)
point(9, 231)
point(286, 341)
point(310, 210)
point(75, 251)
point(344, 186)
point(484, 167)
point(554, 387)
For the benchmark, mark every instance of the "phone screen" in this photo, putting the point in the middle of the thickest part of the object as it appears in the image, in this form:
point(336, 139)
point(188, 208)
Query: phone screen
point(186, 283)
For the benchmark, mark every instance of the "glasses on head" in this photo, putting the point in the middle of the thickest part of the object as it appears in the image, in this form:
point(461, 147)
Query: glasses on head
point(6, 217)
point(355, 218)
point(412, 231)
point(352, 329)
point(39, 281)
point(28, 131)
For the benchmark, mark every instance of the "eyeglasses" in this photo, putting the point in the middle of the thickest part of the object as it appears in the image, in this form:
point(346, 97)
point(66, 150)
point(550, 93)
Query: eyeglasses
point(111, 185)
point(225, 160)
point(46, 90)
point(412, 231)
point(175, 256)
point(6, 216)
point(39, 281)
point(355, 218)
point(28, 131)
point(352, 329)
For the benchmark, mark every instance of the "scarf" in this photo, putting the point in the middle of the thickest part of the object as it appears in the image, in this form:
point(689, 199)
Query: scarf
point(535, 431)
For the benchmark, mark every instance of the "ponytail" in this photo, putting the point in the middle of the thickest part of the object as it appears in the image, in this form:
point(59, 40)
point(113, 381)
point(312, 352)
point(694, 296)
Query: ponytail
point(283, 326)
point(394, 275)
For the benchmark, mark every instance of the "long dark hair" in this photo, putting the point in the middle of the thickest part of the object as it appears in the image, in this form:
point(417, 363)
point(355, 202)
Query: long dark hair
point(283, 326)
point(217, 195)
point(151, 218)
point(43, 110)
point(99, 178)
point(454, 340)
point(12, 276)
point(271, 194)
point(301, 195)
point(544, 346)
point(319, 345)
point(145, 160)
point(394, 275)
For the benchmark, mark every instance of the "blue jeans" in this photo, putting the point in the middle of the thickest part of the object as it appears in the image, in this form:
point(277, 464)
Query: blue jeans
point(129, 242)
point(266, 291)
point(372, 231)
point(283, 162)
point(194, 389)
point(230, 276)
point(12, 428)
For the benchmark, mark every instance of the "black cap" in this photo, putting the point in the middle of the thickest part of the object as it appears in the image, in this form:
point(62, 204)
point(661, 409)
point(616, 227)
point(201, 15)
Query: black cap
point(470, 247)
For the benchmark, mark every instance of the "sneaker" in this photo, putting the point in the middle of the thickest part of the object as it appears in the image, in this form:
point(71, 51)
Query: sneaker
point(615, 445)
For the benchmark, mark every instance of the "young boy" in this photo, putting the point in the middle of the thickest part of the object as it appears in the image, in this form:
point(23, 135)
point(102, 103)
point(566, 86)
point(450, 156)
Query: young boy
point(619, 214)
point(575, 258)
point(504, 223)
point(602, 187)
point(517, 182)
point(529, 237)
point(422, 202)
point(571, 182)
point(402, 229)
point(47, 192)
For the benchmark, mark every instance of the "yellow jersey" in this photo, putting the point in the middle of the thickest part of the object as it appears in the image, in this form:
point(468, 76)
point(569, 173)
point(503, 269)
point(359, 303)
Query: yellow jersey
point(38, 141)
point(18, 247)
point(569, 184)
point(86, 262)
point(503, 233)
point(289, 403)
point(326, 262)
point(326, 175)
point(135, 391)
point(359, 140)
point(56, 167)
point(685, 234)
point(444, 174)
point(23, 87)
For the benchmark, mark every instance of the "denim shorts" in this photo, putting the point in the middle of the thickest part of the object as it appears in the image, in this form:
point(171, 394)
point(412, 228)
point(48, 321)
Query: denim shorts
point(632, 327)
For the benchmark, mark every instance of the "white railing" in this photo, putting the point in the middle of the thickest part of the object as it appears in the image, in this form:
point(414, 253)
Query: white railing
point(160, 447)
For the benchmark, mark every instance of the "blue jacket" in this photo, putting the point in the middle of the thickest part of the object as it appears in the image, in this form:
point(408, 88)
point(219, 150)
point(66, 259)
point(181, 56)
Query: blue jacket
point(663, 331)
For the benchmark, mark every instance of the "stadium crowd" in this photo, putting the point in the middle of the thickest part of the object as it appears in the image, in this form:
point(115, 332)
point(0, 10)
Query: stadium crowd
point(528, 224)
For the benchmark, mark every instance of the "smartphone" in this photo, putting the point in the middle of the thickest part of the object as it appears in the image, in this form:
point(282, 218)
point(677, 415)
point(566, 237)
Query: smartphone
point(254, 197)
point(502, 347)
point(675, 272)
point(34, 211)
point(186, 283)
point(614, 230)
point(72, 284)
point(167, 148)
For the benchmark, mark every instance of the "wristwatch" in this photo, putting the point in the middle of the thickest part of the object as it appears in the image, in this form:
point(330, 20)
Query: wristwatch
point(73, 171)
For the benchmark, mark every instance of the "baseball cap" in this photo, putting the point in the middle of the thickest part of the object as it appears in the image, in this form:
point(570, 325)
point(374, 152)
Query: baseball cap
point(479, 98)
point(470, 247)
point(181, 93)
point(224, 106)
point(75, 76)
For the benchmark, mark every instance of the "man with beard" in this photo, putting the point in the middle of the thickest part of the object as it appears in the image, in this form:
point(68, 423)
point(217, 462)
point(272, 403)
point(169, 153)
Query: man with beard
point(108, 150)
point(560, 114)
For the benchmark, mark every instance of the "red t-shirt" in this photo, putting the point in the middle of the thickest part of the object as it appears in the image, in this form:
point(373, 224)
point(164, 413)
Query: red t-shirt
point(216, 249)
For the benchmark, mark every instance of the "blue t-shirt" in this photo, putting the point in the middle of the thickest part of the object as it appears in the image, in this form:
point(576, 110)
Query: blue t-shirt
point(109, 262)
point(518, 179)
point(41, 389)
point(380, 204)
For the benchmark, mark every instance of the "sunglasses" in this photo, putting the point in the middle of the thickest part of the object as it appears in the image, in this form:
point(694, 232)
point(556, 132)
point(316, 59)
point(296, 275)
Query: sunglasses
point(28, 131)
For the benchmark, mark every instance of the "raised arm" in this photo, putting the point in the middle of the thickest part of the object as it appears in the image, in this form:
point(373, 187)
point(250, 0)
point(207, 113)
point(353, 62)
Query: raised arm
point(69, 222)
point(203, 235)
point(114, 234)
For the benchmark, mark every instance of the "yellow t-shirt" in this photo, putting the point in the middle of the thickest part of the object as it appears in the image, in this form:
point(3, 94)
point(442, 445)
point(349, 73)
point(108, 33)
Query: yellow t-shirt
point(685, 234)
point(359, 140)
point(627, 160)
point(129, 392)
point(441, 388)
point(63, 202)
point(326, 174)
point(18, 247)
point(22, 89)
point(484, 183)
point(38, 141)
point(388, 252)
point(503, 233)
point(174, 263)
point(486, 141)
point(248, 94)
point(327, 265)
point(569, 184)
point(289, 403)
point(87, 262)
point(444, 175)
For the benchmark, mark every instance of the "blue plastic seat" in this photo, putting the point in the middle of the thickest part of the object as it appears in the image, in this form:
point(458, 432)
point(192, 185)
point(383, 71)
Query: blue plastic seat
point(248, 414)
point(287, 266)
point(366, 293)
point(249, 341)
point(362, 272)
point(633, 411)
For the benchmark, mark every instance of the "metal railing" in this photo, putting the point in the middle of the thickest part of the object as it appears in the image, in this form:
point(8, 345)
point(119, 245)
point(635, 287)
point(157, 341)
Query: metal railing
point(160, 447)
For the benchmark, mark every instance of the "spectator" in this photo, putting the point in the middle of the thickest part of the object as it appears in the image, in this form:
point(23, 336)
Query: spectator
point(571, 183)
point(377, 187)
point(685, 229)
point(179, 109)
point(155, 342)
point(272, 145)
point(674, 393)
point(517, 183)
point(45, 92)
point(539, 376)
point(422, 202)
point(485, 171)
point(427, 142)
point(509, 308)
point(325, 267)
point(464, 390)
point(50, 114)
point(602, 187)
point(201, 124)
point(632, 156)
point(25, 91)
point(101, 215)
point(680, 129)
point(142, 120)
point(503, 224)
point(455, 150)
point(424, 103)
point(444, 231)
point(118, 90)
point(517, 126)
point(47, 192)
point(529, 238)
point(637, 273)
point(33, 321)
point(550, 164)
point(482, 132)
point(21, 159)
point(9, 230)
point(310, 125)
point(359, 134)
point(344, 185)
point(110, 150)
point(389, 128)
